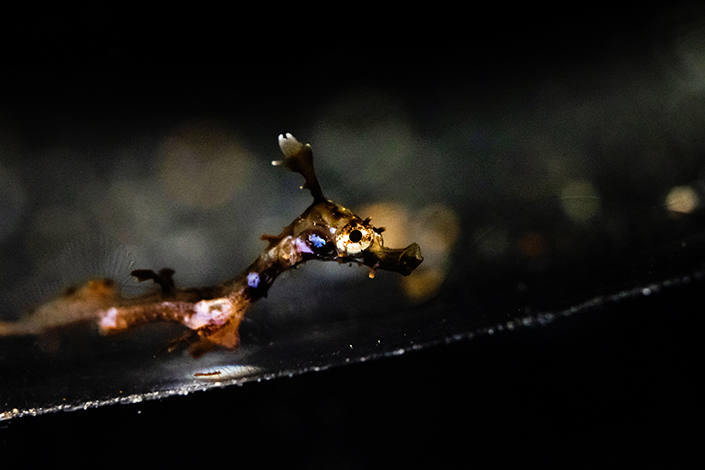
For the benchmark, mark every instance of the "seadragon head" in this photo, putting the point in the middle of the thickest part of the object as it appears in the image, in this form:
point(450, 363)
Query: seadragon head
point(328, 231)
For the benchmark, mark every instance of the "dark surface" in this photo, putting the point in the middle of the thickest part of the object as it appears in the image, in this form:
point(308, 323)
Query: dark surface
point(616, 387)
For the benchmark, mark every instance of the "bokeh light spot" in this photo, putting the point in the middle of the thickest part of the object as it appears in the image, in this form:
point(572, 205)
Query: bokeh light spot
point(580, 201)
point(360, 127)
point(436, 229)
point(682, 199)
point(202, 164)
point(532, 245)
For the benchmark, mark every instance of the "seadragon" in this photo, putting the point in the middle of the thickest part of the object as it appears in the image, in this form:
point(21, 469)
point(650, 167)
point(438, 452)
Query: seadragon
point(325, 231)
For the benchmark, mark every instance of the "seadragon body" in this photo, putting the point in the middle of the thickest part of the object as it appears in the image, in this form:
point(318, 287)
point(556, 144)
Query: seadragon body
point(325, 231)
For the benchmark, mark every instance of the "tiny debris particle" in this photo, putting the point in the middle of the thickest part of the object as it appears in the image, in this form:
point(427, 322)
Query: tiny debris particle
point(207, 374)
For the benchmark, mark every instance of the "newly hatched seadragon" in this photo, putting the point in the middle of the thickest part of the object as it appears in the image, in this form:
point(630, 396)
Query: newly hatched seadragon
point(325, 231)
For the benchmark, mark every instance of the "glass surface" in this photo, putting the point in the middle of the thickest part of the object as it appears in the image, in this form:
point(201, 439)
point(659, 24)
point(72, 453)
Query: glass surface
point(538, 187)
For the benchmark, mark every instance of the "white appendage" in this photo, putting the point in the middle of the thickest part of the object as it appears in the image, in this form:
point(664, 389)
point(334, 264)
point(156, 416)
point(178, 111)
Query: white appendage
point(289, 146)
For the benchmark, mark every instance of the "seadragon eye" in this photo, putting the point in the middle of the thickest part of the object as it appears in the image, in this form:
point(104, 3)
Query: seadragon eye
point(353, 240)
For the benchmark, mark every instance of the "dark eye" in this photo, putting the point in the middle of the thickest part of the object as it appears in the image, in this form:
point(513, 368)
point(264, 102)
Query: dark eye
point(352, 240)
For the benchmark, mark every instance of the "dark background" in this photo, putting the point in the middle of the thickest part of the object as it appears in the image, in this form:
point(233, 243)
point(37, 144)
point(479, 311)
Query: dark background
point(611, 387)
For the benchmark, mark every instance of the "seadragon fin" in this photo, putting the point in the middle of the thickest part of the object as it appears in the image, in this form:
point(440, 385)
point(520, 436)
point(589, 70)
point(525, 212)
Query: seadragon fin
point(298, 158)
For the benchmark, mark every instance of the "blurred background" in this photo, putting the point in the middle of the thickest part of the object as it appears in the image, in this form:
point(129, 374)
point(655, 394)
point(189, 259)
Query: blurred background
point(542, 159)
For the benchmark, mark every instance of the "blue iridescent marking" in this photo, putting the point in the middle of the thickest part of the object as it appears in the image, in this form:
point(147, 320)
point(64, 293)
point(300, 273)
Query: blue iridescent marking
point(253, 280)
point(317, 241)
